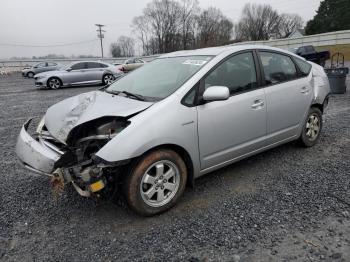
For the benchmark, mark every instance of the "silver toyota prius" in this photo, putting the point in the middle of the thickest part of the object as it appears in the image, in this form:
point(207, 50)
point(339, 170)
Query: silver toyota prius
point(186, 114)
point(79, 73)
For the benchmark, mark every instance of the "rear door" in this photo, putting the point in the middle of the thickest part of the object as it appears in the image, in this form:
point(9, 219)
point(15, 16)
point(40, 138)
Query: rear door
point(51, 66)
point(95, 72)
point(288, 95)
point(41, 67)
point(235, 127)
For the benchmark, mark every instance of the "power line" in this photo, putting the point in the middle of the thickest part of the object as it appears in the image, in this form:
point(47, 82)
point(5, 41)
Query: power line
point(100, 35)
point(54, 45)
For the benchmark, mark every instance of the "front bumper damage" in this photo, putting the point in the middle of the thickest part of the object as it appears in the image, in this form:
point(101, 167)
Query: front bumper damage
point(36, 155)
point(40, 156)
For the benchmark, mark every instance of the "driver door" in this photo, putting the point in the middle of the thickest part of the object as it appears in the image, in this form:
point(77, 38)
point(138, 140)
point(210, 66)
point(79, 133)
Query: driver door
point(235, 127)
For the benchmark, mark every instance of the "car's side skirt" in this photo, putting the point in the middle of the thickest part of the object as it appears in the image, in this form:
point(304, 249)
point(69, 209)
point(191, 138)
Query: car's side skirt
point(262, 149)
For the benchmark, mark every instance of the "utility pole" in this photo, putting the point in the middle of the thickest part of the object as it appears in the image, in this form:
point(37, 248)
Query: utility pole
point(100, 35)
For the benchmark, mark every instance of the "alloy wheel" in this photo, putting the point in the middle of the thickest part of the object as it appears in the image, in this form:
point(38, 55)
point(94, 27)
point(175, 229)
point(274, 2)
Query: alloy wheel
point(108, 79)
point(313, 127)
point(160, 183)
point(54, 83)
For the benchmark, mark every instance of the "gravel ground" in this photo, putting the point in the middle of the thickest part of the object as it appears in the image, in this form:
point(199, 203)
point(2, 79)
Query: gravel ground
point(286, 204)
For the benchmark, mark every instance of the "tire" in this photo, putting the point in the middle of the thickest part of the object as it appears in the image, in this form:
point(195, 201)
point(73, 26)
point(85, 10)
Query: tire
point(312, 128)
point(30, 74)
point(54, 83)
point(155, 182)
point(108, 79)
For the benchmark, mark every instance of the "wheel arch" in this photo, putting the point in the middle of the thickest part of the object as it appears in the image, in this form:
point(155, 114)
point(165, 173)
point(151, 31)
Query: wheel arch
point(183, 154)
point(319, 106)
point(51, 77)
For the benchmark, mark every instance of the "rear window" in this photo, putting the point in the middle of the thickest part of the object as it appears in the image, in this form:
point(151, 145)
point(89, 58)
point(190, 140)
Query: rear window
point(278, 68)
point(304, 66)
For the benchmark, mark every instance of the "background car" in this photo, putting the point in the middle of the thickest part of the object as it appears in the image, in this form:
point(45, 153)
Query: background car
point(310, 54)
point(132, 64)
point(39, 68)
point(79, 73)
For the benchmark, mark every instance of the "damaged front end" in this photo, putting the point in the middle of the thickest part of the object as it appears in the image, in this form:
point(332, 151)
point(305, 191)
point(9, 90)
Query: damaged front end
point(66, 140)
point(74, 161)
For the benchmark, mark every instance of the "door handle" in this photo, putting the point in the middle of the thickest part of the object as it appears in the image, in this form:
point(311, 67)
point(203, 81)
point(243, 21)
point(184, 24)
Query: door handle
point(257, 104)
point(304, 90)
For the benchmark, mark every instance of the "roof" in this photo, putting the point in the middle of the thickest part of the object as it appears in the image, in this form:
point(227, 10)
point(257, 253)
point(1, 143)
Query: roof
point(215, 51)
point(297, 33)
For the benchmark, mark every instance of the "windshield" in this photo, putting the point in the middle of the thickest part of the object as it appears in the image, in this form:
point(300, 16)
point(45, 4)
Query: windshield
point(65, 67)
point(161, 77)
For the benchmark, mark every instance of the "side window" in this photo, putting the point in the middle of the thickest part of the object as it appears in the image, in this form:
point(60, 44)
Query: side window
point(78, 66)
point(103, 65)
point(277, 68)
point(189, 99)
point(40, 65)
point(92, 65)
point(52, 64)
point(237, 73)
point(304, 66)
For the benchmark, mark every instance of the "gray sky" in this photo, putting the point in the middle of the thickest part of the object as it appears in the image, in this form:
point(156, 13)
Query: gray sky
point(53, 22)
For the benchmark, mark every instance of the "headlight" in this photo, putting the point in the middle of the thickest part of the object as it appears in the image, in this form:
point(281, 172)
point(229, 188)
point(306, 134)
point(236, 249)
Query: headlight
point(40, 77)
point(40, 125)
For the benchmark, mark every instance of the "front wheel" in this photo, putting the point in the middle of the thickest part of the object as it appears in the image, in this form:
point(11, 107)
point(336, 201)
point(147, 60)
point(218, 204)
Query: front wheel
point(54, 83)
point(108, 79)
point(155, 182)
point(312, 128)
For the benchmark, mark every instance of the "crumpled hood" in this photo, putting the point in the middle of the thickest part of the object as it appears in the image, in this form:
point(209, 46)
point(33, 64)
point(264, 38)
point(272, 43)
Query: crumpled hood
point(62, 117)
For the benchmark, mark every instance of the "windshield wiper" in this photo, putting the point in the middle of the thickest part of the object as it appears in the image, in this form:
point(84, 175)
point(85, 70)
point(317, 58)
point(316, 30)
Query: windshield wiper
point(138, 97)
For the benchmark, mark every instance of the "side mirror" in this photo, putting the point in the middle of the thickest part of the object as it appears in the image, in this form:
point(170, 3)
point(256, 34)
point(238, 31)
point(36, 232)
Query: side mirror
point(216, 93)
point(69, 69)
point(35, 67)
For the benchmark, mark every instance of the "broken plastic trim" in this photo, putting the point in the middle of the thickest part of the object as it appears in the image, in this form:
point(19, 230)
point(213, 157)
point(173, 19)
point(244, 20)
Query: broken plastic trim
point(100, 161)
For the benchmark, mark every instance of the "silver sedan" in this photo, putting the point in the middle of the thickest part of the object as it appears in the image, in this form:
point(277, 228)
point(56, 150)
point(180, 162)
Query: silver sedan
point(40, 68)
point(79, 73)
point(184, 115)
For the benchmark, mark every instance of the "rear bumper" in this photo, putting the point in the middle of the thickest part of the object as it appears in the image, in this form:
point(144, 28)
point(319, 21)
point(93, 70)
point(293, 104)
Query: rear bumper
point(34, 154)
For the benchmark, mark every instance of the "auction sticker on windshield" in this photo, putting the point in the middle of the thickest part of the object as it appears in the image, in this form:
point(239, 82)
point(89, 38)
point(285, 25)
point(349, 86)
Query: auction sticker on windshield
point(194, 62)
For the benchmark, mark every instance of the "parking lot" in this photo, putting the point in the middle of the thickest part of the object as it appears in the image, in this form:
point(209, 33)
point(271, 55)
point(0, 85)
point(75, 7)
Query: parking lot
point(289, 203)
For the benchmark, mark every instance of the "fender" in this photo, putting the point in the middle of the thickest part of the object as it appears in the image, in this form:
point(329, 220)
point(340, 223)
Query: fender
point(149, 129)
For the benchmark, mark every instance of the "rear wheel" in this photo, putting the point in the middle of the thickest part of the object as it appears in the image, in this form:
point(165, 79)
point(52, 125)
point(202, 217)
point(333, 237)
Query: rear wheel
point(108, 79)
point(30, 74)
point(312, 128)
point(54, 83)
point(155, 182)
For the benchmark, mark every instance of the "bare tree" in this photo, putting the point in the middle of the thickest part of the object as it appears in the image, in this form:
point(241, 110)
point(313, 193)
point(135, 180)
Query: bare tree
point(171, 25)
point(127, 45)
point(258, 22)
point(124, 47)
point(163, 16)
point(213, 28)
point(115, 50)
point(189, 12)
point(289, 23)
point(141, 27)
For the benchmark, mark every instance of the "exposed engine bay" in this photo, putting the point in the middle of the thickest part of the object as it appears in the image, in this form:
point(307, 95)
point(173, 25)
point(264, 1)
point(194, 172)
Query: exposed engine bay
point(78, 163)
